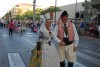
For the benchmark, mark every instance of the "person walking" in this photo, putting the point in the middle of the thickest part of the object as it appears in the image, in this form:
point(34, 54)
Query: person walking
point(65, 34)
point(11, 27)
point(45, 53)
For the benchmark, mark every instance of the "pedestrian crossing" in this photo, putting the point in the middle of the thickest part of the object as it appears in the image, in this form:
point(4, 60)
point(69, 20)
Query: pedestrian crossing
point(15, 59)
point(31, 35)
point(89, 58)
point(4, 35)
point(91, 52)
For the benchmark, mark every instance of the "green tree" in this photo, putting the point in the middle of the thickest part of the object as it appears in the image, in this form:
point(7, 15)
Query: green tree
point(18, 17)
point(89, 9)
point(50, 9)
point(38, 11)
point(28, 15)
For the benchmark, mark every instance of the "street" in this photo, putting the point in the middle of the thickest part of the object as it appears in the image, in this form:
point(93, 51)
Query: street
point(15, 50)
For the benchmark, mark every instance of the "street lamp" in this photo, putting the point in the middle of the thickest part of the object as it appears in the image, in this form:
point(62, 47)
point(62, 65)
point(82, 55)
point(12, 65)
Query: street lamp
point(34, 5)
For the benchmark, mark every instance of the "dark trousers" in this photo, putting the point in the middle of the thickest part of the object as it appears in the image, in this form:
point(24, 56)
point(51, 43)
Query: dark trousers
point(10, 31)
point(62, 64)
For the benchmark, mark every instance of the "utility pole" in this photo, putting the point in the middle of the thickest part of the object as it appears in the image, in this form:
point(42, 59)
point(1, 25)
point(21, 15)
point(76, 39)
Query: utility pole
point(34, 5)
point(85, 11)
point(55, 9)
point(75, 13)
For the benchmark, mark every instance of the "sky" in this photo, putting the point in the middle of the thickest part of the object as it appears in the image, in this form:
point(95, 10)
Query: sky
point(6, 5)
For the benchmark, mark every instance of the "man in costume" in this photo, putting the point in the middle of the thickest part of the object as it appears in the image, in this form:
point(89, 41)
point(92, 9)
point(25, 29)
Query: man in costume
point(66, 35)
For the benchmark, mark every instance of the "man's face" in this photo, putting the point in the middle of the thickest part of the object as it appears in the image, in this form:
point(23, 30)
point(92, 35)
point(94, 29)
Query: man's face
point(64, 19)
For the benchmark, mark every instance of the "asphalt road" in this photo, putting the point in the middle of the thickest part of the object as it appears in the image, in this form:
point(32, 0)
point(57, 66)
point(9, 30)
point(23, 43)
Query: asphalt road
point(15, 50)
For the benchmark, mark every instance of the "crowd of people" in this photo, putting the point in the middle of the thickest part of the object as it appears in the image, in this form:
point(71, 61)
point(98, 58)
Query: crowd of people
point(19, 25)
point(91, 29)
point(13, 25)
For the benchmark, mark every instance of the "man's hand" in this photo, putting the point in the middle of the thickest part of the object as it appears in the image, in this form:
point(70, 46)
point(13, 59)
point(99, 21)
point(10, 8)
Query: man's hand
point(74, 48)
point(62, 43)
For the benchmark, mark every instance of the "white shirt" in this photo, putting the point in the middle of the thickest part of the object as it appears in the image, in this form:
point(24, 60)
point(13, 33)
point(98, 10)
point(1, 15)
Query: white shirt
point(76, 37)
point(3, 21)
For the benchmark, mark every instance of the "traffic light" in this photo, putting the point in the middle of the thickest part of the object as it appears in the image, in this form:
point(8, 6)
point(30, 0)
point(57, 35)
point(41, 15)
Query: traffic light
point(77, 15)
point(82, 15)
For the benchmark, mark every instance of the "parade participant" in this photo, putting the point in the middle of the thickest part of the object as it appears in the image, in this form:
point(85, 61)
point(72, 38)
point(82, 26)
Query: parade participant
point(45, 54)
point(11, 27)
point(66, 35)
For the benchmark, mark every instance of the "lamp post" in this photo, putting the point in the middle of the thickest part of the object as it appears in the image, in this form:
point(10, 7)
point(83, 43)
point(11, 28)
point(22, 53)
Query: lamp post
point(34, 5)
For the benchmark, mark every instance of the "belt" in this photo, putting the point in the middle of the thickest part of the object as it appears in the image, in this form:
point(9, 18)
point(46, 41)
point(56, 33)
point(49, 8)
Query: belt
point(49, 43)
point(67, 42)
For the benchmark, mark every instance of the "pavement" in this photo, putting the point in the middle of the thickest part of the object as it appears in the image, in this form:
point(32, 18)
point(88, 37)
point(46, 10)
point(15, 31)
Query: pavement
point(15, 50)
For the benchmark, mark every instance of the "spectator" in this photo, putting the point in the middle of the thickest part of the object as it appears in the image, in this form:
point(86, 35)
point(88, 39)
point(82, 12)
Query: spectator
point(82, 25)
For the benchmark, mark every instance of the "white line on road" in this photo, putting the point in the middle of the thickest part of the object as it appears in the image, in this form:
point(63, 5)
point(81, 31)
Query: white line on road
point(29, 33)
point(89, 58)
point(29, 41)
point(92, 52)
point(30, 53)
point(15, 60)
point(4, 35)
point(98, 43)
point(77, 64)
point(84, 46)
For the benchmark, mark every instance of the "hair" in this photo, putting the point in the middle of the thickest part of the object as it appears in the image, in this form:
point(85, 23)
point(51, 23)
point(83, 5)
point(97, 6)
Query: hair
point(47, 19)
point(11, 20)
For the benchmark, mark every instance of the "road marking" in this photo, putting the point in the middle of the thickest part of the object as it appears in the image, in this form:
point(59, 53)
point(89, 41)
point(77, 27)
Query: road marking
point(91, 38)
point(89, 58)
point(98, 49)
point(98, 43)
point(92, 52)
point(30, 53)
point(29, 33)
point(77, 64)
point(29, 41)
point(15, 60)
point(4, 35)
point(83, 46)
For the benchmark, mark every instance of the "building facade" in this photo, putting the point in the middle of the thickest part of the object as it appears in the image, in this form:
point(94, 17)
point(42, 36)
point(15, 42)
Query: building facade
point(20, 9)
point(70, 9)
point(96, 6)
